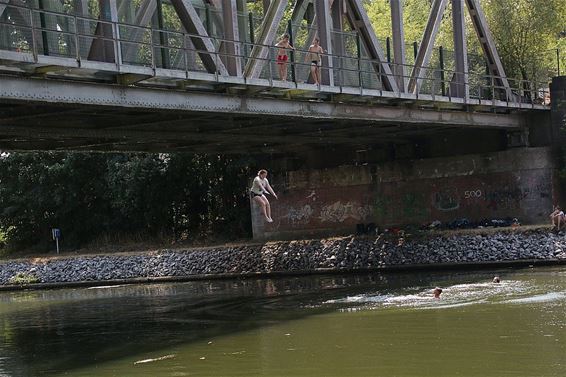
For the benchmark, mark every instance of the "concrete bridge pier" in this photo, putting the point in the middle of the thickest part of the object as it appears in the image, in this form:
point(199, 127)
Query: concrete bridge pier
point(558, 109)
point(474, 174)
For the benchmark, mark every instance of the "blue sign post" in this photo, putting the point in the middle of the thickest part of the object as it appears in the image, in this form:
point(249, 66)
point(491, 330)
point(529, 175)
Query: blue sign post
point(56, 233)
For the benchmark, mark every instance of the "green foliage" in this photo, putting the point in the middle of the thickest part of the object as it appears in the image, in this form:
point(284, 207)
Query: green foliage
point(525, 31)
point(22, 278)
point(92, 195)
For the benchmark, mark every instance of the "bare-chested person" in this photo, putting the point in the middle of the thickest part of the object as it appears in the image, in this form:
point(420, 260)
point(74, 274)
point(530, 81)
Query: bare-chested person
point(315, 57)
point(282, 47)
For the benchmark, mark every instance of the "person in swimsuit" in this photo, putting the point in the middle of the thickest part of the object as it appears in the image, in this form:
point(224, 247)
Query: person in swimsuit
point(282, 46)
point(315, 57)
point(260, 186)
point(558, 218)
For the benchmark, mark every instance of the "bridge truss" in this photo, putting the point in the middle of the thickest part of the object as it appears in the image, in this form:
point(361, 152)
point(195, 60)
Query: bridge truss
point(217, 62)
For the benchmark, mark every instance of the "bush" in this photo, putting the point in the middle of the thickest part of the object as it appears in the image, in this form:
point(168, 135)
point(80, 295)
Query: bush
point(93, 195)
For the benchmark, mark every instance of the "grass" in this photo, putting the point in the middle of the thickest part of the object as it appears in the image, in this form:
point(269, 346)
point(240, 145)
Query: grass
point(22, 278)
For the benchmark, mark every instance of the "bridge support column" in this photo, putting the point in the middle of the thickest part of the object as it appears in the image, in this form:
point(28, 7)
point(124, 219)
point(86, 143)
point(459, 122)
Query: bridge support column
point(558, 121)
point(558, 113)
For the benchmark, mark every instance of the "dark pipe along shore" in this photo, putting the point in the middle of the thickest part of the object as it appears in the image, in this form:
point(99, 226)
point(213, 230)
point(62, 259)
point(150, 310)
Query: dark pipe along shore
point(344, 254)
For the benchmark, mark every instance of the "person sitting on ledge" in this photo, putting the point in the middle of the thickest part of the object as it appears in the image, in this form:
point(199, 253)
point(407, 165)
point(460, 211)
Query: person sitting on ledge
point(557, 218)
point(260, 186)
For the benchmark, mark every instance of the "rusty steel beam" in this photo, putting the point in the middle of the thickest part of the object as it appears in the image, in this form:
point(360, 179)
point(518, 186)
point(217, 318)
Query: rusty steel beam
point(18, 90)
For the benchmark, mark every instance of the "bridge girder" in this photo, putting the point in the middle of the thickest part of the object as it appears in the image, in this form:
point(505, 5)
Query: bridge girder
point(78, 114)
point(224, 87)
point(228, 57)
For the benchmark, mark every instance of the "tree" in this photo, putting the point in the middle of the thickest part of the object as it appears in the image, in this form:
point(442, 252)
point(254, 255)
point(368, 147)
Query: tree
point(525, 31)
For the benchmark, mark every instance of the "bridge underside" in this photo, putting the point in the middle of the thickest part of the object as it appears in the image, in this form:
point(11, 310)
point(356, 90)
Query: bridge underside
point(40, 114)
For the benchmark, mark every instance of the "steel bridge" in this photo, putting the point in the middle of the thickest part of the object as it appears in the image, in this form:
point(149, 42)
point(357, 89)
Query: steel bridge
point(202, 76)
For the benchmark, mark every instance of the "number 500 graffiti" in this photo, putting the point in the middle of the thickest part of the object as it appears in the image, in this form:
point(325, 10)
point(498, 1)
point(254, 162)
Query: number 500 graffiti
point(472, 194)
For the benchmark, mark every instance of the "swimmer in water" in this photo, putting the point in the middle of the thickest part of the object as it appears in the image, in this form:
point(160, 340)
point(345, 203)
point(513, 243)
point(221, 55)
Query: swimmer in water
point(437, 291)
point(496, 279)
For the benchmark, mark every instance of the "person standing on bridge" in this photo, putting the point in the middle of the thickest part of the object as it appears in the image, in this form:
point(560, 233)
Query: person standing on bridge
point(315, 58)
point(282, 47)
point(260, 186)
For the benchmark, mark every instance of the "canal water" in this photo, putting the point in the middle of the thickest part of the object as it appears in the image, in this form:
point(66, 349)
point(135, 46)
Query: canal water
point(341, 325)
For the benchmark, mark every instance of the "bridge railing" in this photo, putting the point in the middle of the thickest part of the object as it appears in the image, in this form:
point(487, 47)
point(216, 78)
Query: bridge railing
point(43, 33)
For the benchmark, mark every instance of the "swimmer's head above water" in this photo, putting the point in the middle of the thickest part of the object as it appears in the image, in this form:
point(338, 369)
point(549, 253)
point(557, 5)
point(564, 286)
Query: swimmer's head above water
point(496, 279)
point(437, 291)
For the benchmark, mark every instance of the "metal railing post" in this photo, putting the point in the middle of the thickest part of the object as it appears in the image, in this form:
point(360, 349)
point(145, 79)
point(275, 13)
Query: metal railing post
point(33, 38)
point(252, 28)
point(185, 54)
point(415, 49)
point(292, 53)
point(43, 26)
point(441, 61)
point(216, 59)
point(433, 88)
point(492, 91)
point(558, 61)
point(116, 40)
point(77, 47)
point(359, 57)
point(269, 65)
point(152, 53)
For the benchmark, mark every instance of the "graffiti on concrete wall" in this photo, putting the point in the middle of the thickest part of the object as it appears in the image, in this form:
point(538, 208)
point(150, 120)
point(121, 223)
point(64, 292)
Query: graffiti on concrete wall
point(504, 198)
point(446, 199)
point(299, 216)
point(516, 194)
point(338, 212)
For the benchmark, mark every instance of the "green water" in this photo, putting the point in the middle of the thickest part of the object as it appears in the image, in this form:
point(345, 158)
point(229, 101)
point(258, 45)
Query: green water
point(365, 325)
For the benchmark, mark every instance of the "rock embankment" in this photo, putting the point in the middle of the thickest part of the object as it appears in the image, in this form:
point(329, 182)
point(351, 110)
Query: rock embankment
point(346, 253)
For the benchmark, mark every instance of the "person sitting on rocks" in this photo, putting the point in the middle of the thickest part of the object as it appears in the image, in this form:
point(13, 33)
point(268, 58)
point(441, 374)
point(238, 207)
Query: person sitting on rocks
point(557, 218)
point(437, 291)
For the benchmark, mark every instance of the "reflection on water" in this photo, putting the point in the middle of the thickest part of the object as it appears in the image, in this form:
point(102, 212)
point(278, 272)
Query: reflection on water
point(363, 325)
